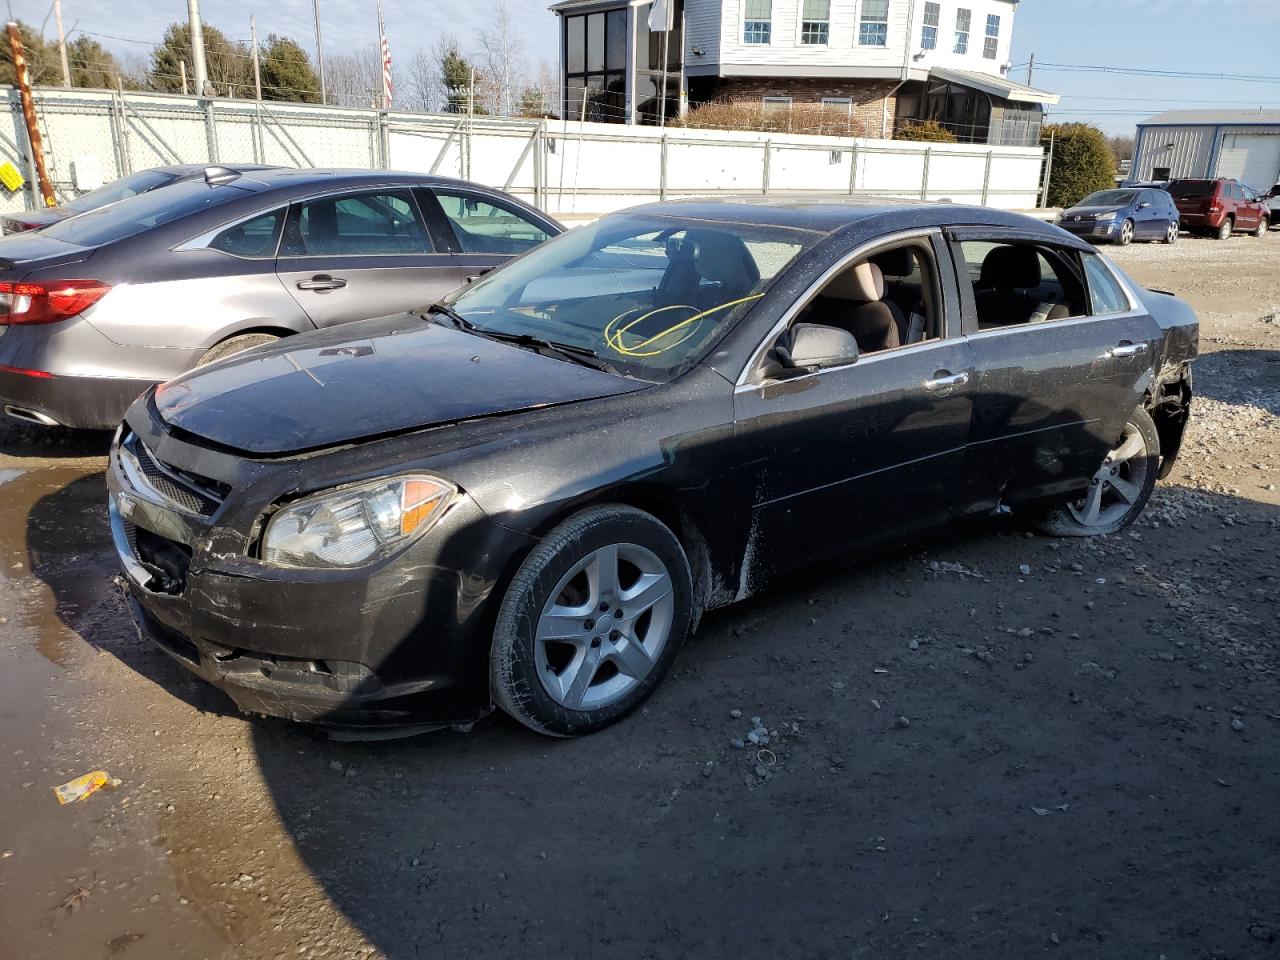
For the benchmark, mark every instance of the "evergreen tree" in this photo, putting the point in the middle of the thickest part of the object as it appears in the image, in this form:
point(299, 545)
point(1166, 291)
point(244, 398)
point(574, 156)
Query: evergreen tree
point(286, 72)
point(227, 63)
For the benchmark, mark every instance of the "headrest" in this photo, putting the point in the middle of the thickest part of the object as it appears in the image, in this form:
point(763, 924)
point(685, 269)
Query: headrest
point(723, 258)
point(895, 263)
point(863, 282)
point(1015, 267)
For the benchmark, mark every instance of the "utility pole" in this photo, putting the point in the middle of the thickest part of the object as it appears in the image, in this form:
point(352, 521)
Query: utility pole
point(62, 44)
point(1031, 67)
point(324, 96)
point(197, 46)
point(257, 74)
point(182, 71)
point(29, 113)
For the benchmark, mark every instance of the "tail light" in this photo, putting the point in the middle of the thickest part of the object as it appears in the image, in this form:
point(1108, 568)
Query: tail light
point(48, 302)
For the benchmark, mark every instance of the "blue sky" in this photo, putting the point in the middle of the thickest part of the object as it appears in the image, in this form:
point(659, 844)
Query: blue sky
point(1196, 35)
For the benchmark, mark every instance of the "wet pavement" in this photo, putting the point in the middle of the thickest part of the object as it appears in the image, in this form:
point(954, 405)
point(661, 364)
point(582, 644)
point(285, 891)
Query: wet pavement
point(1072, 780)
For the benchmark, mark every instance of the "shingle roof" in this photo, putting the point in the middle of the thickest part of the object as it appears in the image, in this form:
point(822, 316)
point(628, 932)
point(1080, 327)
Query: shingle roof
point(1237, 117)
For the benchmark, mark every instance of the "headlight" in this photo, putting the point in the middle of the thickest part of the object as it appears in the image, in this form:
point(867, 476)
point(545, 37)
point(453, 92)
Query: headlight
point(1102, 217)
point(354, 525)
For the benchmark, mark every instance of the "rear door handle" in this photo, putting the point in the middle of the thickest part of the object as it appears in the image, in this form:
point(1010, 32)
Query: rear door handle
point(947, 381)
point(1128, 350)
point(322, 283)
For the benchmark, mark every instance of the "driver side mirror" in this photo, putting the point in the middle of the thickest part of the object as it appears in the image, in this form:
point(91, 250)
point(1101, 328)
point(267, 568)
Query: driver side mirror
point(1143, 205)
point(809, 347)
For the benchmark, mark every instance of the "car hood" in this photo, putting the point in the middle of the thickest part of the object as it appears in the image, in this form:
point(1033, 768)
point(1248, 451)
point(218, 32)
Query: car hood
point(367, 379)
point(1093, 211)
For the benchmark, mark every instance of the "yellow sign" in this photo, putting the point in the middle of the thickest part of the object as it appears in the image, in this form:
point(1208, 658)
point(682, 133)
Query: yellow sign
point(11, 177)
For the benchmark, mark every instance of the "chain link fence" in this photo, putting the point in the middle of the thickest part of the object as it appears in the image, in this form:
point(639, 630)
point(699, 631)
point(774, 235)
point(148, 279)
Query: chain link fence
point(565, 167)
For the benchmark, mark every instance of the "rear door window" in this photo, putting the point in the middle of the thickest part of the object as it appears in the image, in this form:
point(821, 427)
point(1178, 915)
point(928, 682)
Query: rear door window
point(366, 224)
point(484, 226)
point(1105, 295)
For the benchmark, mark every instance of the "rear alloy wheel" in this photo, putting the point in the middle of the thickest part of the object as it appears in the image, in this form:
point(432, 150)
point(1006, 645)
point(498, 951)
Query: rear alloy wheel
point(1224, 231)
point(1171, 233)
point(1263, 226)
point(1126, 233)
point(591, 622)
point(1119, 489)
point(234, 345)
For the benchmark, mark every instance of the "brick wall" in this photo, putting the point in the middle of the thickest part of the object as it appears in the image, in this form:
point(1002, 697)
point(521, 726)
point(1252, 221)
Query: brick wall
point(868, 96)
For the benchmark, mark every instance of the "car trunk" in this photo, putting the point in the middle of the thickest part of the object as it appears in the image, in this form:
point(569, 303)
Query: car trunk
point(25, 252)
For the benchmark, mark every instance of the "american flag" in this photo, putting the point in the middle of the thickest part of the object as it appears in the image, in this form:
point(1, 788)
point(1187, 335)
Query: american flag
point(386, 62)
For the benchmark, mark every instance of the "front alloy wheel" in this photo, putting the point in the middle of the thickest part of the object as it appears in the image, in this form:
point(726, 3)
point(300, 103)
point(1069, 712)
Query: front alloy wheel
point(1126, 233)
point(591, 622)
point(1118, 490)
point(1263, 226)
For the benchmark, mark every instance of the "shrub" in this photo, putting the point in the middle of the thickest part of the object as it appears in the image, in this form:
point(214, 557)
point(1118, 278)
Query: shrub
point(800, 118)
point(1082, 162)
point(930, 130)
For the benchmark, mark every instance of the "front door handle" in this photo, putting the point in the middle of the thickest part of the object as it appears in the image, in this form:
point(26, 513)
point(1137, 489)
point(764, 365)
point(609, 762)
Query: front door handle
point(322, 283)
point(944, 380)
point(1128, 350)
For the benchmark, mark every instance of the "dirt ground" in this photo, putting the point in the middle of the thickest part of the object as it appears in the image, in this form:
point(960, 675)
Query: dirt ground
point(1089, 767)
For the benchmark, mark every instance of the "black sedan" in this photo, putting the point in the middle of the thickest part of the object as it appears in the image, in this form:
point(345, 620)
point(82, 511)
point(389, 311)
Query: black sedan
point(526, 495)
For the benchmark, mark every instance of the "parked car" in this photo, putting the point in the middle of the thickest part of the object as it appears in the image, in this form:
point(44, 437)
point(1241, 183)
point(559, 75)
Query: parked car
point(527, 494)
point(1273, 205)
point(1219, 207)
point(1122, 216)
point(143, 181)
point(95, 309)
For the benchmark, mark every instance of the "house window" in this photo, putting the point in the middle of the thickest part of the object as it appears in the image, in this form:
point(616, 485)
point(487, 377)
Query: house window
point(776, 104)
point(838, 104)
point(873, 30)
point(929, 35)
point(595, 47)
point(815, 24)
point(991, 42)
point(757, 26)
point(963, 17)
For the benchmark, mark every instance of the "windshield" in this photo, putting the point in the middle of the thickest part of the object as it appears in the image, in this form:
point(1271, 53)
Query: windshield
point(129, 186)
point(142, 212)
point(647, 293)
point(1109, 198)
point(1192, 188)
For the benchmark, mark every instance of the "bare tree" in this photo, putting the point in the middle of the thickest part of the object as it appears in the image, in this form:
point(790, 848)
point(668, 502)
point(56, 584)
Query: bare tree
point(501, 59)
point(424, 91)
point(354, 79)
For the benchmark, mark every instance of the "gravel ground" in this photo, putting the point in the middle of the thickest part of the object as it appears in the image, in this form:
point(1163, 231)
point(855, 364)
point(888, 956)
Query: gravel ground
point(995, 745)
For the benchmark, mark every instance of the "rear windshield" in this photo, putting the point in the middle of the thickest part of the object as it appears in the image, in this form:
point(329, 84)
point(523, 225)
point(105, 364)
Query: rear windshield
point(142, 212)
point(1183, 189)
point(121, 189)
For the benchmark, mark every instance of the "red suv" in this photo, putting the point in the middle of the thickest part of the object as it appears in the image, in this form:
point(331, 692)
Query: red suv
point(1219, 207)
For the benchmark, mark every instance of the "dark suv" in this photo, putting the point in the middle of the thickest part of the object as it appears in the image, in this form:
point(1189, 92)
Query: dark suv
point(1219, 207)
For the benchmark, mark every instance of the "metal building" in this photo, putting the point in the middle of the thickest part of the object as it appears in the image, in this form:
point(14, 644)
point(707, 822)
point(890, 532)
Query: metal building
point(1242, 145)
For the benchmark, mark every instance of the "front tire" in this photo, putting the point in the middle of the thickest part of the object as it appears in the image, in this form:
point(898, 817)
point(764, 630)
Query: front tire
point(591, 622)
point(1126, 233)
point(1118, 491)
point(1263, 226)
point(1224, 231)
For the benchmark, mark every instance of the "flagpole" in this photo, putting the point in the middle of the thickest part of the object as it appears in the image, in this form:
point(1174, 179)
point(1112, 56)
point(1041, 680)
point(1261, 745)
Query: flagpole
point(324, 96)
point(666, 54)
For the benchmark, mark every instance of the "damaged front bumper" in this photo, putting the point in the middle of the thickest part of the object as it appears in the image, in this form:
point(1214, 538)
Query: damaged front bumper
point(402, 643)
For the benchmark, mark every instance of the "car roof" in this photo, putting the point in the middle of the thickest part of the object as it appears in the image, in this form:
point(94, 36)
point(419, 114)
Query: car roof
point(826, 215)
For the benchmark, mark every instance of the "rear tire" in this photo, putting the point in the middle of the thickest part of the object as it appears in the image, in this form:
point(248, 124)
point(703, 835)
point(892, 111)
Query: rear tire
point(1171, 233)
point(234, 345)
point(1224, 231)
point(591, 622)
point(1118, 491)
point(1263, 226)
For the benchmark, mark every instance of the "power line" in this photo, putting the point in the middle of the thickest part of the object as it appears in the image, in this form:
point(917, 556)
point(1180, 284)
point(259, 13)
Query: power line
point(1151, 72)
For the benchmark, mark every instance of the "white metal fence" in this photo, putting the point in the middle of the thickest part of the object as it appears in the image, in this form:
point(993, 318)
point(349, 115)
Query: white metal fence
point(563, 167)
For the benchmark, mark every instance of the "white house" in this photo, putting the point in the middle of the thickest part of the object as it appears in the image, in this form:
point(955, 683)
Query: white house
point(885, 62)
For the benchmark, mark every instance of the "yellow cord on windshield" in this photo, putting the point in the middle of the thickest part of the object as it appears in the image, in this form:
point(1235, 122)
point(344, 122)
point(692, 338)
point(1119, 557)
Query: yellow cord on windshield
point(613, 333)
